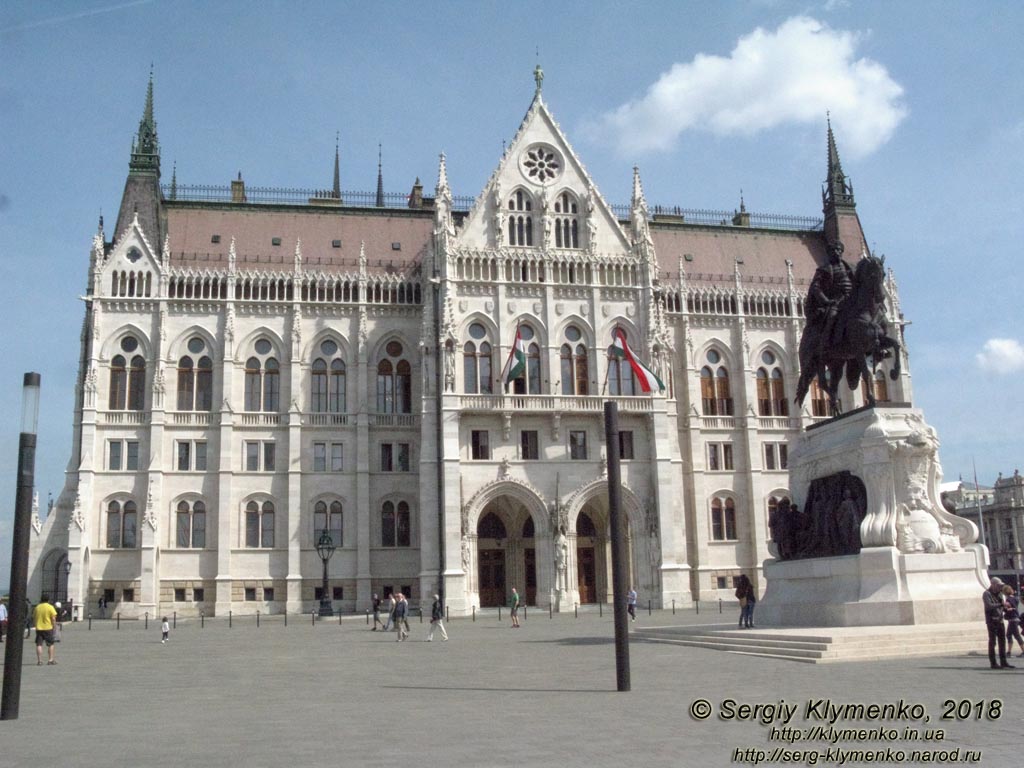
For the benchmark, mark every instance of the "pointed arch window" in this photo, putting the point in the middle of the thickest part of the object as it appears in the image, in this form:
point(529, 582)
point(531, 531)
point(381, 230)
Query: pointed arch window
point(620, 373)
point(262, 379)
point(327, 380)
point(520, 220)
point(771, 387)
point(394, 381)
point(819, 400)
point(259, 525)
point(191, 525)
point(128, 378)
point(723, 518)
point(715, 391)
point(567, 225)
point(395, 524)
point(477, 357)
point(328, 518)
point(529, 381)
point(575, 365)
point(195, 379)
point(122, 522)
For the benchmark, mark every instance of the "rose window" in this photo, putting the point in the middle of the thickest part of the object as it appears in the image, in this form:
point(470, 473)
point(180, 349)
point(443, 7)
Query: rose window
point(541, 164)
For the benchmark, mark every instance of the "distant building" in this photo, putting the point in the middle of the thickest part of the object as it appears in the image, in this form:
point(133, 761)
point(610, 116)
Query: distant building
point(260, 366)
point(1001, 507)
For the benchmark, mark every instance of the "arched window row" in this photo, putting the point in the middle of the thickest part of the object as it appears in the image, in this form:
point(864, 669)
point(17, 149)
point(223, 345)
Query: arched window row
point(190, 525)
point(131, 283)
point(395, 524)
point(195, 377)
point(567, 224)
point(767, 305)
point(723, 518)
point(394, 381)
point(715, 391)
point(127, 378)
point(259, 525)
point(328, 518)
point(531, 270)
point(197, 287)
point(262, 385)
point(711, 303)
point(254, 288)
point(520, 219)
point(771, 387)
point(478, 369)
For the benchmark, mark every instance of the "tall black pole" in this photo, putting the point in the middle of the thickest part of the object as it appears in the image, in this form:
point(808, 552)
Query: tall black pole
point(619, 553)
point(19, 549)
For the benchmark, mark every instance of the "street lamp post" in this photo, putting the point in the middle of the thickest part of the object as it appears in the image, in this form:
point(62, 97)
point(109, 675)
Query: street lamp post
point(19, 546)
point(325, 548)
point(67, 586)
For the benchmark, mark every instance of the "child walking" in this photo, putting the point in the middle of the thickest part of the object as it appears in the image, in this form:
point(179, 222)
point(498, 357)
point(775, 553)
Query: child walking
point(166, 629)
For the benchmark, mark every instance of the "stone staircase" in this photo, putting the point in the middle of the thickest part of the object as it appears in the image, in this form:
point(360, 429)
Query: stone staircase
point(828, 644)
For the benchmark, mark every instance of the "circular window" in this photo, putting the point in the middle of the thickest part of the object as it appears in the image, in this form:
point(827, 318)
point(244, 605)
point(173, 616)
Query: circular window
point(134, 254)
point(540, 164)
point(572, 333)
point(767, 358)
point(713, 356)
point(477, 331)
point(196, 345)
point(329, 347)
point(129, 344)
point(526, 332)
point(394, 348)
point(263, 346)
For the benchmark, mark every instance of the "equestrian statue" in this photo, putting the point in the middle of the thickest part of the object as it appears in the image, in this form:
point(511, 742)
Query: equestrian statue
point(846, 325)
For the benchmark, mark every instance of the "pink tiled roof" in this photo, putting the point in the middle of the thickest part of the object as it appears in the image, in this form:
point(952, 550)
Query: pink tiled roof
point(715, 250)
point(191, 228)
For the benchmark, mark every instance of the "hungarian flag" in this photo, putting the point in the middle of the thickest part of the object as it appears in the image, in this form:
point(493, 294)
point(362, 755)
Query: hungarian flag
point(647, 378)
point(515, 366)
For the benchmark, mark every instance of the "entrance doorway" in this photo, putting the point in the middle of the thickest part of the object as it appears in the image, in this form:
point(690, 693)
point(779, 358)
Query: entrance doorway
point(587, 570)
point(530, 565)
point(492, 578)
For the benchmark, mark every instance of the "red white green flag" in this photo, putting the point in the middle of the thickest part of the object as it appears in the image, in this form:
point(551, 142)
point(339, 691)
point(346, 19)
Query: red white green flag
point(515, 366)
point(644, 375)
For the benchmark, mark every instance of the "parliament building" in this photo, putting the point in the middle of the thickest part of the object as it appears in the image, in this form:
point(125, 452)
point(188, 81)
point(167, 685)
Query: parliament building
point(259, 366)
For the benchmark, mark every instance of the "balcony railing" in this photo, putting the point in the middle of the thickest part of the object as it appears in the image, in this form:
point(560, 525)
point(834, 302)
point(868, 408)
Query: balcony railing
point(778, 422)
point(553, 403)
point(718, 422)
point(193, 418)
point(261, 419)
point(127, 418)
point(394, 420)
point(325, 419)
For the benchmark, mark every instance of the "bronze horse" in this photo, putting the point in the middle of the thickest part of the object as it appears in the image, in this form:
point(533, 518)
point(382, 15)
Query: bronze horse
point(860, 331)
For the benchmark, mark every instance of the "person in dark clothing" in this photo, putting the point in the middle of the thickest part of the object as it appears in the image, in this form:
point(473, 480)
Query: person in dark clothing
point(376, 614)
point(1012, 615)
point(747, 596)
point(994, 607)
point(437, 619)
point(401, 625)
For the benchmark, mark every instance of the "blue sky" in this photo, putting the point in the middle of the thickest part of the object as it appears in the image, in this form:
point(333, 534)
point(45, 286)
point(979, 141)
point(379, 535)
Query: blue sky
point(706, 98)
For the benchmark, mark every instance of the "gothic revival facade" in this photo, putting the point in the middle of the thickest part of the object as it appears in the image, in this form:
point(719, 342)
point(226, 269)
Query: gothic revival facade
point(255, 371)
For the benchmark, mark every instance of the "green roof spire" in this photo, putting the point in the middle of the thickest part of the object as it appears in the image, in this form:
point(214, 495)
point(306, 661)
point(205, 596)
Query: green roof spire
point(837, 190)
point(145, 146)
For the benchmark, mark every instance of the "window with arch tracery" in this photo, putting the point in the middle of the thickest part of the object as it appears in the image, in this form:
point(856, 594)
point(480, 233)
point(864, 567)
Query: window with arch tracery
point(395, 528)
point(771, 387)
point(723, 518)
point(585, 526)
point(477, 358)
point(327, 380)
point(128, 378)
point(190, 525)
point(715, 392)
point(329, 519)
point(259, 525)
point(262, 379)
point(394, 381)
point(122, 525)
point(195, 378)
point(520, 219)
point(567, 223)
point(620, 372)
point(528, 382)
point(575, 367)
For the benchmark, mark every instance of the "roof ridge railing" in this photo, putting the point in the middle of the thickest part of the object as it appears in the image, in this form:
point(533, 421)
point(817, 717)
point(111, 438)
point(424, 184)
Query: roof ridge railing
point(213, 193)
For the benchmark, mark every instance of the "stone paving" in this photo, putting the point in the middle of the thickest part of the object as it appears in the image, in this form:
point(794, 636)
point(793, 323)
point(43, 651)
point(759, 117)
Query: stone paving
point(541, 695)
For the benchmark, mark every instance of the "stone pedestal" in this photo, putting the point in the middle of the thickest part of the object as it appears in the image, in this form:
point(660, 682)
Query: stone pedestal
point(918, 564)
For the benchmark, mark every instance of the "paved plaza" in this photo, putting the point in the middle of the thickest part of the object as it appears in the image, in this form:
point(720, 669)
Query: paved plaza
point(541, 695)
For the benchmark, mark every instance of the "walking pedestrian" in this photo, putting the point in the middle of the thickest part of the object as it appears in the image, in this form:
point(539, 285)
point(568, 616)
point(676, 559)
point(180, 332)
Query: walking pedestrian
point(436, 619)
point(631, 603)
point(376, 614)
point(993, 602)
point(747, 596)
point(514, 603)
point(401, 625)
point(44, 616)
point(1012, 616)
point(391, 611)
point(165, 629)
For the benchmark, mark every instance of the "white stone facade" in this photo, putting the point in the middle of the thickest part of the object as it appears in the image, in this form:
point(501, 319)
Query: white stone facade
point(539, 250)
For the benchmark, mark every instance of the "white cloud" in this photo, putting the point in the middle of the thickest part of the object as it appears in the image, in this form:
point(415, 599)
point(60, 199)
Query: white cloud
point(1001, 356)
point(791, 75)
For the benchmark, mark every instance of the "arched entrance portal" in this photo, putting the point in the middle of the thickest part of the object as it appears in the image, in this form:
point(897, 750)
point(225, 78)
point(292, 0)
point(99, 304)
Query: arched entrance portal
point(594, 553)
point(506, 553)
point(55, 576)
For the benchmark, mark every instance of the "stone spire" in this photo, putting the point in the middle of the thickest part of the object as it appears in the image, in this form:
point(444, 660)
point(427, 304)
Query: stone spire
point(145, 146)
point(838, 191)
point(174, 181)
point(336, 189)
point(442, 189)
point(639, 216)
point(380, 178)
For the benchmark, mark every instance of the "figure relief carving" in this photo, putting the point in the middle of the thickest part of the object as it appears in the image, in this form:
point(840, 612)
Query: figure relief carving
point(449, 366)
point(465, 554)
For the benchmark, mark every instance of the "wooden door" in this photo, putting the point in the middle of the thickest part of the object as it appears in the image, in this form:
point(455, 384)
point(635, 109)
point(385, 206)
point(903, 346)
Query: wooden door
point(587, 572)
point(492, 577)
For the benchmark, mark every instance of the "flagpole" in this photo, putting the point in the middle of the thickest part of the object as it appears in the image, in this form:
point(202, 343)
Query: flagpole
point(977, 498)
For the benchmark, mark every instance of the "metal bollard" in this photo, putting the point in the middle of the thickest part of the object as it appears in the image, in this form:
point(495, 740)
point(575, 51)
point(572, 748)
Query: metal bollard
point(421, 615)
point(175, 620)
point(673, 607)
point(230, 617)
point(90, 621)
point(524, 611)
point(648, 607)
point(339, 617)
point(474, 613)
point(696, 604)
point(118, 619)
point(551, 611)
point(499, 613)
point(202, 619)
point(600, 609)
point(312, 616)
point(147, 621)
point(286, 617)
point(367, 617)
point(719, 605)
point(446, 613)
point(576, 611)
point(257, 619)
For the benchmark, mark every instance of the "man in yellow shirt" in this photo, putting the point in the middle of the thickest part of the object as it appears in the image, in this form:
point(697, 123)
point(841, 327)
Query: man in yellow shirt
point(44, 617)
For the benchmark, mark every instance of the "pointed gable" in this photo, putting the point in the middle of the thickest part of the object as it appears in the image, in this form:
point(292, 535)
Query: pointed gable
point(540, 195)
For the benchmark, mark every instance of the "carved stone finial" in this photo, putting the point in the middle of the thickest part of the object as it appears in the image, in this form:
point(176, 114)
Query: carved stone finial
point(538, 78)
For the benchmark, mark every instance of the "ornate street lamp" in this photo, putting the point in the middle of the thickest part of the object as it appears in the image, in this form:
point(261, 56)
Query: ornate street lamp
point(325, 548)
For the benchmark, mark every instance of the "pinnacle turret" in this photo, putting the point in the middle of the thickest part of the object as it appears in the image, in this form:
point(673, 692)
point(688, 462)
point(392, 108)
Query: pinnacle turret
point(145, 145)
point(336, 189)
point(838, 191)
point(380, 178)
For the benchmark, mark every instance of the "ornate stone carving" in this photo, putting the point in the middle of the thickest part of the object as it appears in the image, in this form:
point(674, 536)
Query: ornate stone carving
point(77, 518)
point(504, 468)
point(37, 523)
point(150, 516)
point(559, 309)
